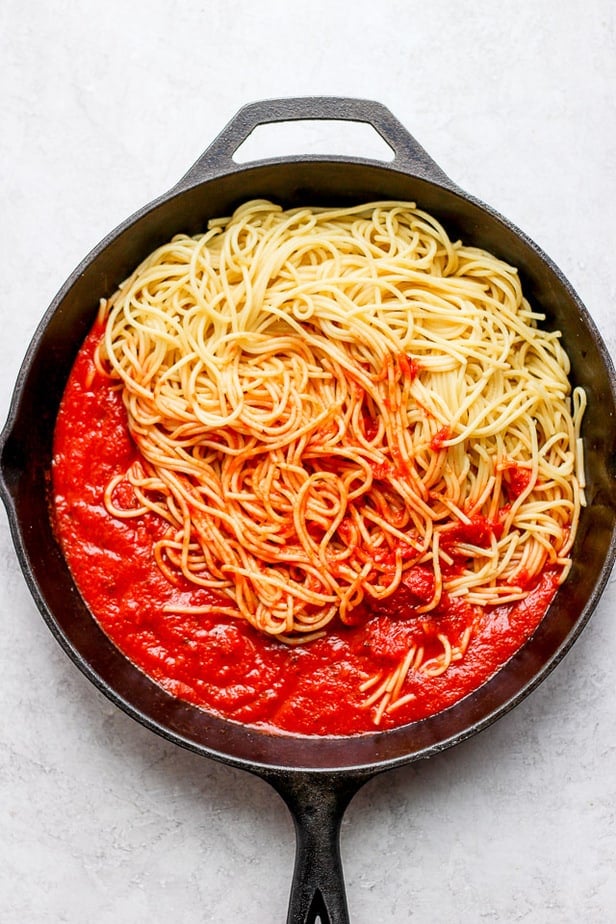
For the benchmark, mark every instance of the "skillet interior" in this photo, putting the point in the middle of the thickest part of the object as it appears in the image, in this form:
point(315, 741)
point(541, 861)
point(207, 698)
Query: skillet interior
point(27, 441)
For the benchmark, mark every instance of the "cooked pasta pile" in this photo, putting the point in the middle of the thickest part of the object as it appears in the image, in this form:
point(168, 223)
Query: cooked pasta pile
point(326, 398)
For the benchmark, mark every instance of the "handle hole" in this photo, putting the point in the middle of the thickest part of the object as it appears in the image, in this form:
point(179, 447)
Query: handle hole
point(314, 136)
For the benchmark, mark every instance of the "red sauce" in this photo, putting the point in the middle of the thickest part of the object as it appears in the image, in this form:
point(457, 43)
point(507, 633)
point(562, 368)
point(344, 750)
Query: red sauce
point(223, 664)
point(516, 480)
point(439, 438)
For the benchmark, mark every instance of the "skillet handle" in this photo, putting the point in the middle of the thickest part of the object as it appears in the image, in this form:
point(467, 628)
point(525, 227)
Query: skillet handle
point(317, 804)
point(409, 155)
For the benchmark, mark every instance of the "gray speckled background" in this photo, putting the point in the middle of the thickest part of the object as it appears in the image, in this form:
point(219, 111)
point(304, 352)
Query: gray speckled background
point(105, 105)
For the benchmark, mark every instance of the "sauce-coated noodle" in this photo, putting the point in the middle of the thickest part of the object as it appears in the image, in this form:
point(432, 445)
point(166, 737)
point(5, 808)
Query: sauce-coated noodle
point(330, 402)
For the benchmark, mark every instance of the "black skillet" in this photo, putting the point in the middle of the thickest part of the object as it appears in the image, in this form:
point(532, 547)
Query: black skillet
point(316, 777)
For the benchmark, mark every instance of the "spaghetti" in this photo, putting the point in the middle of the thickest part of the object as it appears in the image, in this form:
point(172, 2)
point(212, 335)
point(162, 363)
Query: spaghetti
point(328, 402)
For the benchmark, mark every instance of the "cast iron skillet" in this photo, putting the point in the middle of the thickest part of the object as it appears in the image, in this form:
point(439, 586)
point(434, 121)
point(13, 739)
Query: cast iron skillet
point(316, 777)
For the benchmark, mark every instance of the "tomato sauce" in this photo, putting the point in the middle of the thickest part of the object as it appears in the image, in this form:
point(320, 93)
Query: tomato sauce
point(222, 664)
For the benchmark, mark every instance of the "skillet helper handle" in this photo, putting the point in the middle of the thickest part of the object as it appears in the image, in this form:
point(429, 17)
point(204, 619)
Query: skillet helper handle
point(317, 806)
point(409, 155)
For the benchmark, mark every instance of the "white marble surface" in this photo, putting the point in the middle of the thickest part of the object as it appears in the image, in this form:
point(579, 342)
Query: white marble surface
point(104, 106)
